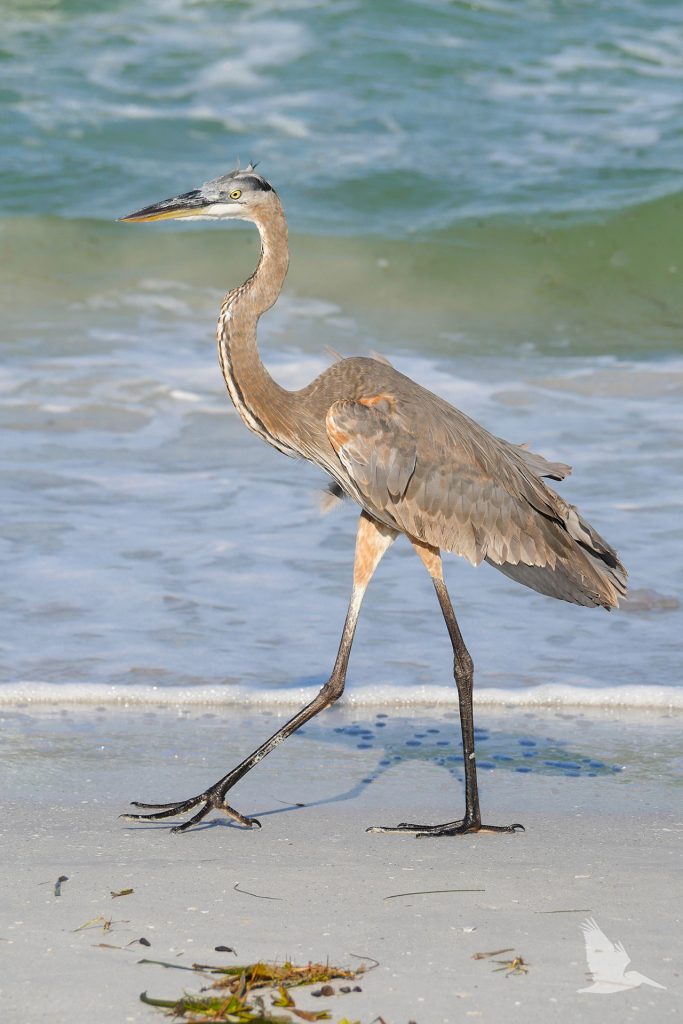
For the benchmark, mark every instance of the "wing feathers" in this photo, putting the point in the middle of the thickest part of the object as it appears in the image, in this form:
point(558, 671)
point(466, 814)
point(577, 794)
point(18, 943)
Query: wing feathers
point(445, 480)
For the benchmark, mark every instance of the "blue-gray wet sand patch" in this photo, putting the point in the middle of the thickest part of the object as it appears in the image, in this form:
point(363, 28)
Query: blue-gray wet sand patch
point(398, 738)
point(43, 745)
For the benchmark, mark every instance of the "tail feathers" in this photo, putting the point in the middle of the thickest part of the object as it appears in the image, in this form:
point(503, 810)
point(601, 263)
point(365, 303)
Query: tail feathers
point(591, 575)
point(565, 583)
point(603, 559)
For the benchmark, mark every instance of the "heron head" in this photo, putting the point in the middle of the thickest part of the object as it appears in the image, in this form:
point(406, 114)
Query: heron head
point(240, 195)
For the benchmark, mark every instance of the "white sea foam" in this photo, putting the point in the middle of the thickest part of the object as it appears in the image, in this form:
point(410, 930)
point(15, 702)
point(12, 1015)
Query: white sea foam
point(547, 695)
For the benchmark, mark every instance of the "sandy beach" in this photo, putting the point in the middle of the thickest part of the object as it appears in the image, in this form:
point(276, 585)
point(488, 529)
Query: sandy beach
point(312, 885)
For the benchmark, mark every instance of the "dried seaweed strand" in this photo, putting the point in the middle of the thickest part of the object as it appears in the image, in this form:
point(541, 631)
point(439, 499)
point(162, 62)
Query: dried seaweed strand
point(429, 892)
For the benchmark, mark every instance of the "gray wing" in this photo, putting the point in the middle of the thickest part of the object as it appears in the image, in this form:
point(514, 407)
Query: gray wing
point(606, 960)
point(427, 470)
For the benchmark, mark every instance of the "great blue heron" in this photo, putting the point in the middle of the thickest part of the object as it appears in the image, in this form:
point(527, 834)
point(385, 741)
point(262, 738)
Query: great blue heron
point(414, 464)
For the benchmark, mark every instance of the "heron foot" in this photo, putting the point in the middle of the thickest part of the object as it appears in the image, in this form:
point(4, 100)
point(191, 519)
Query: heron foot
point(450, 828)
point(211, 800)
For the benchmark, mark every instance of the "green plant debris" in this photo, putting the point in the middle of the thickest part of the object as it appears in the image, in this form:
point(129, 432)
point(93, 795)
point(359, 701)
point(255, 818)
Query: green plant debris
point(122, 892)
point(106, 923)
point(312, 1014)
point(239, 1005)
point(232, 1010)
point(487, 956)
point(165, 963)
point(283, 998)
point(285, 975)
point(517, 965)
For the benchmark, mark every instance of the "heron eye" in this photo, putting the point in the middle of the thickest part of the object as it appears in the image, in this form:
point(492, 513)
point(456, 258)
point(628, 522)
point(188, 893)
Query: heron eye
point(236, 194)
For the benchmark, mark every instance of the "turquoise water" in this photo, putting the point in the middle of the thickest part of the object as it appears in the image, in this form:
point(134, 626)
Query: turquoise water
point(382, 118)
point(489, 193)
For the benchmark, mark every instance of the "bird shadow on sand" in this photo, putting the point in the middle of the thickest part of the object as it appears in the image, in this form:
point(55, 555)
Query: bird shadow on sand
point(398, 739)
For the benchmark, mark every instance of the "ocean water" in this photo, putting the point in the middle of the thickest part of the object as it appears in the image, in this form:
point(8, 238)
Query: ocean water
point(490, 194)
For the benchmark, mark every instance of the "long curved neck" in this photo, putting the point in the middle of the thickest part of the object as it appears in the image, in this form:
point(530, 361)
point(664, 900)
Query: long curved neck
point(264, 406)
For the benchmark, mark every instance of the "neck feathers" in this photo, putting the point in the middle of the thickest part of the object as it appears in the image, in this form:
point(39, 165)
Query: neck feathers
point(262, 404)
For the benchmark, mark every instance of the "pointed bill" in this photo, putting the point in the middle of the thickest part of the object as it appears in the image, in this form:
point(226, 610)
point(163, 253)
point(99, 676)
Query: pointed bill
point(189, 204)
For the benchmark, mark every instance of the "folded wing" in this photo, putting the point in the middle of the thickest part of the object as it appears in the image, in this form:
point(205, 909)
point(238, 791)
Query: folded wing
point(428, 470)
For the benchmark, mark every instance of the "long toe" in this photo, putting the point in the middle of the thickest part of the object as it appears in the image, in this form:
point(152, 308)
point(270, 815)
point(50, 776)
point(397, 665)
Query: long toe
point(194, 820)
point(412, 829)
point(173, 812)
point(163, 807)
point(449, 828)
point(241, 818)
point(515, 827)
point(462, 828)
point(163, 810)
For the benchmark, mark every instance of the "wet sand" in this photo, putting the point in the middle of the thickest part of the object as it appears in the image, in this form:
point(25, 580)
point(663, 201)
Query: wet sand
point(602, 841)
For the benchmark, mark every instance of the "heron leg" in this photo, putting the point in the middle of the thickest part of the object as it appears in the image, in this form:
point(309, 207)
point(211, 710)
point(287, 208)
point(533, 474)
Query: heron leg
point(372, 541)
point(463, 670)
